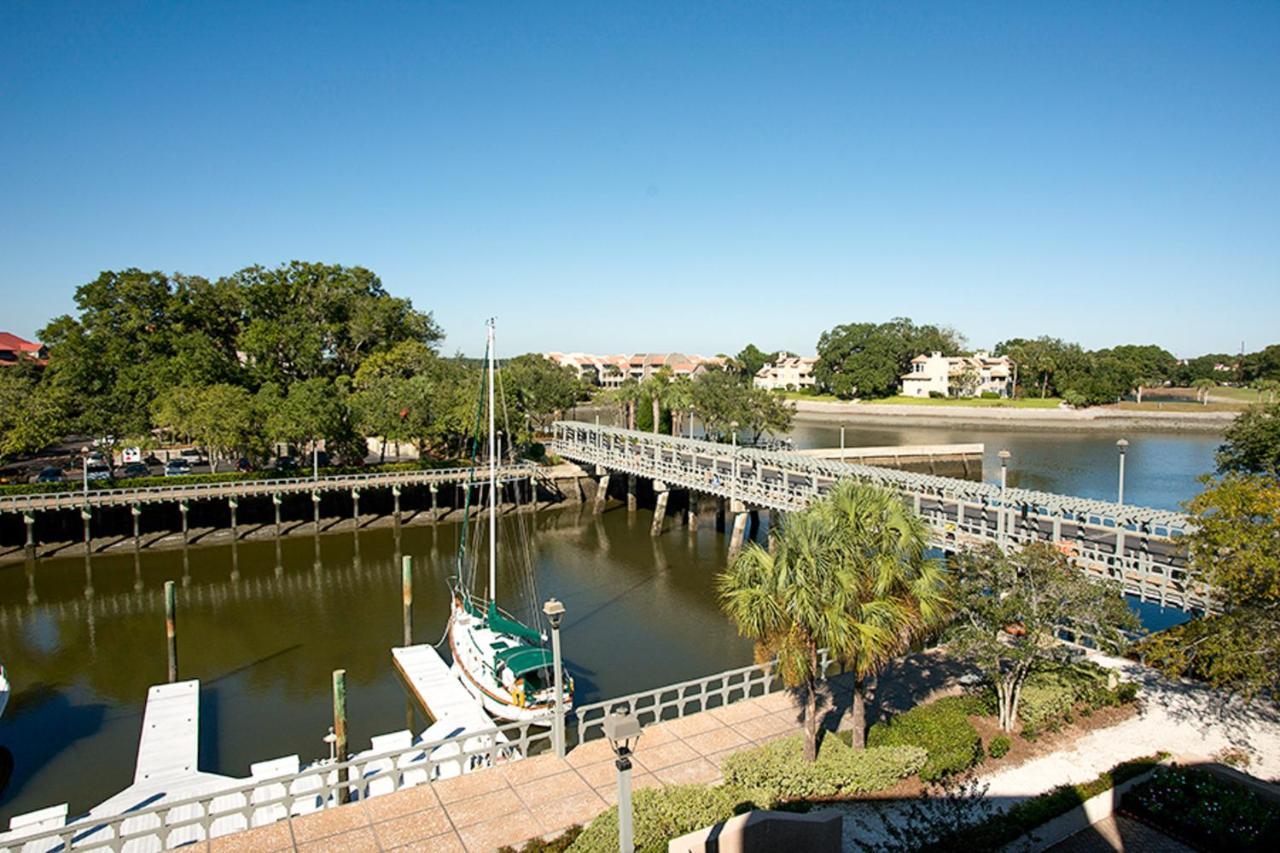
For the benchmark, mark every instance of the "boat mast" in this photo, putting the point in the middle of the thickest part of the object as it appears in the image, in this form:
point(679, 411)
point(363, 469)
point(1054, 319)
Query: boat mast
point(493, 481)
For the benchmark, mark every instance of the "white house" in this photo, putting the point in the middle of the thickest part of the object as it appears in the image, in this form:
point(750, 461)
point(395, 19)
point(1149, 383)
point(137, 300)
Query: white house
point(789, 374)
point(958, 376)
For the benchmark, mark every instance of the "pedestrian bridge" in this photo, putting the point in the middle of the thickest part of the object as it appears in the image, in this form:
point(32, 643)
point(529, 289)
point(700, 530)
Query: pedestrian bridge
point(1136, 546)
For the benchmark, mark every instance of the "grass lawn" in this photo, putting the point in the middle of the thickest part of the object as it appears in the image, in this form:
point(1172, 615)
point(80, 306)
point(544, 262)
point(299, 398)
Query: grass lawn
point(805, 395)
point(1243, 395)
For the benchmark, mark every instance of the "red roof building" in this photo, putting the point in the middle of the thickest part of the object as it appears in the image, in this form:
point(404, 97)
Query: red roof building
point(14, 349)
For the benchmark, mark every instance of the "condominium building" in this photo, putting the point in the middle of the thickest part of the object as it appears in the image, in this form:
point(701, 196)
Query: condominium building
point(958, 376)
point(791, 373)
point(610, 371)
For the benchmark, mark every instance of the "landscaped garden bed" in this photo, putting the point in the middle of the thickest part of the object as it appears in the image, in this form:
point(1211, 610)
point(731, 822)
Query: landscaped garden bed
point(1205, 811)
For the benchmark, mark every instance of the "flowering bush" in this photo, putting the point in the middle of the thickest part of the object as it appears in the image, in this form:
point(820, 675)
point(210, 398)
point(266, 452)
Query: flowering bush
point(1213, 812)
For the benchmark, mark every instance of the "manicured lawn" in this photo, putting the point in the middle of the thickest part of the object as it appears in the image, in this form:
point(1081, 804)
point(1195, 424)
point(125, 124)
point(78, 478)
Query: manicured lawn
point(1243, 395)
point(804, 395)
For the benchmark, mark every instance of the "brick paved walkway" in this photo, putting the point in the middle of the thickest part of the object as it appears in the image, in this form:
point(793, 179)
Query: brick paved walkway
point(534, 797)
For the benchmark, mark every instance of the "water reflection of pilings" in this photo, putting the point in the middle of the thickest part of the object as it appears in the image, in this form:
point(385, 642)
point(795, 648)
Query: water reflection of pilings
point(345, 577)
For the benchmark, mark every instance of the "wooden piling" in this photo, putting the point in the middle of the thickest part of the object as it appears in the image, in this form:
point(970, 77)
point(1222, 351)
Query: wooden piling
point(602, 493)
point(29, 520)
point(315, 509)
point(340, 725)
point(355, 507)
point(186, 530)
point(171, 627)
point(395, 498)
point(136, 512)
point(659, 513)
point(86, 516)
point(276, 500)
point(232, 504)
point(406, 582)
point(631, 493)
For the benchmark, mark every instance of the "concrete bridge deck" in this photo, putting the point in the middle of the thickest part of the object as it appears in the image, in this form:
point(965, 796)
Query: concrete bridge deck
point(1136, 546)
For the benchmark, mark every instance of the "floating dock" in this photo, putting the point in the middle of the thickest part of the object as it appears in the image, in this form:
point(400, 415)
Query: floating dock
point(437, 689)
point(941, 459)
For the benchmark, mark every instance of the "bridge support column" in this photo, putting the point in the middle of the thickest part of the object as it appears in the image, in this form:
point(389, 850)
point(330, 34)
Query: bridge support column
point(720, 509)
point(631, 493)
point(435, 502)
point(29, 520)
point(355, 507)
point(1057, 526)
point(86, 515)
point(602, 492)
point(739, 528)
point(136, 512)
point(395, 502)
point(691, 512)
point(232, 504)
point(186, 528)
point(659, 508)
point(315, 509)
point(276, 500)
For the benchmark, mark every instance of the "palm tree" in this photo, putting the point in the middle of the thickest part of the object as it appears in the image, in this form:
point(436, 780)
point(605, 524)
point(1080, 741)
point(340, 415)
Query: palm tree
point(1203, 386)
point(793, 602)
point(626, 395)
point(898, 595)
point(657, 388)
point(679, 401)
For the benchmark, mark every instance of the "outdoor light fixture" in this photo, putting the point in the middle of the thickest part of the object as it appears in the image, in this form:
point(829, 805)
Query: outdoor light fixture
point(1004, 468)
point(554, 611)
point(623, 730)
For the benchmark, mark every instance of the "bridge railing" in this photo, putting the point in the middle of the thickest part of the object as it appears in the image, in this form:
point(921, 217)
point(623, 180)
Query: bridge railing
point(199, 491)
point(1136, 546)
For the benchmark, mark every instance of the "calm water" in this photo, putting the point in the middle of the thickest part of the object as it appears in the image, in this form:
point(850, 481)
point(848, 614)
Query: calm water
point(263, 624)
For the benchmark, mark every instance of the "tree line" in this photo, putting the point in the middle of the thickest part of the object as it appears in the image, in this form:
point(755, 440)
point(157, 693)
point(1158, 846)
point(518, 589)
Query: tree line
point(294, 354)
point(868, 360)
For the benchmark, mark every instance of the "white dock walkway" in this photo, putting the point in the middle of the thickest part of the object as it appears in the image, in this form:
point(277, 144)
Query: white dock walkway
point(437, 690)
point(170, 743)
point(911, 452)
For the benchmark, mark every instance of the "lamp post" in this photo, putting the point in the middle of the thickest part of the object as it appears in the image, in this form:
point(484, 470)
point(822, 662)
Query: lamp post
point(623, 730)
point(1123, 445)
point(842, 441)
point(733, 427)
point(315, 460)
point(554, 611)
point(691, 422)
point(1004, 470)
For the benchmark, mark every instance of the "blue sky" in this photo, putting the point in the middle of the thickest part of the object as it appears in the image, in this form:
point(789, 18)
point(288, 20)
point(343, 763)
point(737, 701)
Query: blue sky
point(650, 176)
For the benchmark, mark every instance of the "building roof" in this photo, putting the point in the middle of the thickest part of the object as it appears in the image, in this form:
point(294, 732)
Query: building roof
point(13, 343)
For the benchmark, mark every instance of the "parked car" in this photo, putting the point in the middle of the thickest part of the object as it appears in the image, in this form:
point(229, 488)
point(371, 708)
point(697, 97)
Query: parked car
point(193, 455)
point(97, 471)
point(286, 465)
point(49, 475)
point(135, 469)
point(177, 467)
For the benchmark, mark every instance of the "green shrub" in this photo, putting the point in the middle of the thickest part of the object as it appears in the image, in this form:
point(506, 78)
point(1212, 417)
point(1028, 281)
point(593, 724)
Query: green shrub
point(1051, 695)
point(1004, 827)
point(942, 729)
point(777, 771)
point(662, 814)
point(999, 746)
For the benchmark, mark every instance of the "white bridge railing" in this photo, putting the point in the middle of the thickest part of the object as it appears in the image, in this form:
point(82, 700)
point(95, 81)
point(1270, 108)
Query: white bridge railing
point(1136, 546)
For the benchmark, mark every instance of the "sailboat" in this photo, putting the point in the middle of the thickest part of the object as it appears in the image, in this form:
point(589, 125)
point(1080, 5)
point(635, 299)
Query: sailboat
point(504, 663)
